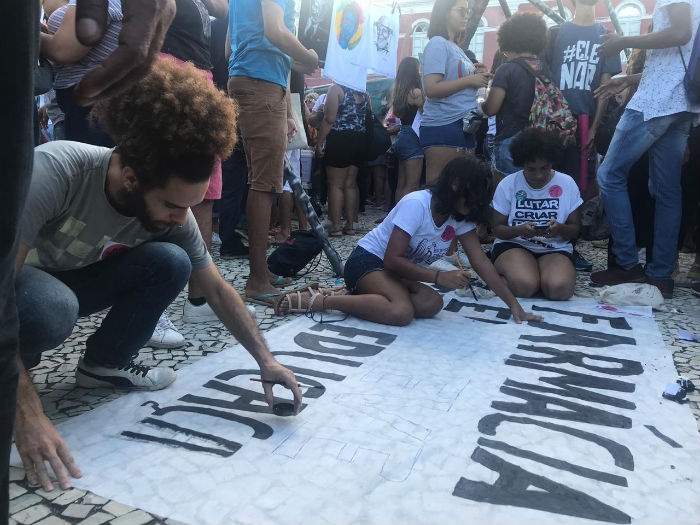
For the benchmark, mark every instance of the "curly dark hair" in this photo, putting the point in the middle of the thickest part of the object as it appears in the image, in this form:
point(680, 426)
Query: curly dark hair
point(523, 33)
point(536, 144)
point(172, 123)
point(472, 180)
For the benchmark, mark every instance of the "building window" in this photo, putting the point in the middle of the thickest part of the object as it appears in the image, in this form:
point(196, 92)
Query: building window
point(630, 17)
point(477, 43)
point(420, 38)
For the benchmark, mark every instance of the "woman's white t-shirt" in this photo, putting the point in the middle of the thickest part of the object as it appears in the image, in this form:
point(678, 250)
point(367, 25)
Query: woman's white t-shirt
point(412, 214)
point(521, 203)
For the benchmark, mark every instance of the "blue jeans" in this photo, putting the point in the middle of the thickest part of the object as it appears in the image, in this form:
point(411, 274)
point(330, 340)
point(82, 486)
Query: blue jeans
point(234, 191)
point(665, 138)
point(138, 284)
point(502, 160)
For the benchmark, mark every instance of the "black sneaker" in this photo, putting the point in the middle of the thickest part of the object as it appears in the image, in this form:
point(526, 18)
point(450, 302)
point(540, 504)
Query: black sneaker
point(581, 264)
point(237, 249)
point(130, 376)
point(665, 286)
point(617, 275)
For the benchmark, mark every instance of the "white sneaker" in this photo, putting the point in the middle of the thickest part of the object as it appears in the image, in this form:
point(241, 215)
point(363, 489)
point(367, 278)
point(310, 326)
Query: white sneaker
point(252, 311)
point(130, 376)
point(198, 314)
point(215, 239)
point(204, 313)
point(165, 335)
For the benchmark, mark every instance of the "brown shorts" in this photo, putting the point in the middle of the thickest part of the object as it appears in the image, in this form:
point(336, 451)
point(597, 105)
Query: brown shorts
point(262, 120)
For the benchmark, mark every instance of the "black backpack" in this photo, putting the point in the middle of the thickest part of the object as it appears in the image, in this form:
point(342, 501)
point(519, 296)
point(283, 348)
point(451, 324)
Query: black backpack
point(293, 254)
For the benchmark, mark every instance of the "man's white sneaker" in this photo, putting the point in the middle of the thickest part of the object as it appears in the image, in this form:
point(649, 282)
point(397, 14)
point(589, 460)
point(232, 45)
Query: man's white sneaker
point(130, 376)
point(252, 311)
point(165, 335)
point(198, 314)
point(204, 313)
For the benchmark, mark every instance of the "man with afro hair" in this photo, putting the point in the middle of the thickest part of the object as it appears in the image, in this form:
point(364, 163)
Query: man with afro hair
point(113, 228)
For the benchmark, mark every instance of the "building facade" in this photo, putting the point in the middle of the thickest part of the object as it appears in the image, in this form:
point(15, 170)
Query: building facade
point(634, 16)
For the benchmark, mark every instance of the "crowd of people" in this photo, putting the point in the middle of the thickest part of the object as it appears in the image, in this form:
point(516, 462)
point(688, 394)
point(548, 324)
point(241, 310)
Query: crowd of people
point(160, 116)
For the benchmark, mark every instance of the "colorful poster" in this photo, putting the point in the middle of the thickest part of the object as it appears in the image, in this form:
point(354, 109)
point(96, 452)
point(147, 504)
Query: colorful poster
point(315, 25)
point(384, 45)
point(348, 42)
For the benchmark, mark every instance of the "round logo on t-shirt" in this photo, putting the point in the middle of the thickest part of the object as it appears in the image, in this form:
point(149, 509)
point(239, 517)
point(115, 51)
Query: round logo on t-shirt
point(555, 191)
point(113, 248)
point(448, 234)
point(520, 195)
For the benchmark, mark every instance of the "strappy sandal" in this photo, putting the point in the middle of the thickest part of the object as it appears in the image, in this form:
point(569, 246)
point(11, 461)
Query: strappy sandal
point(330, 292)
point(295, 301)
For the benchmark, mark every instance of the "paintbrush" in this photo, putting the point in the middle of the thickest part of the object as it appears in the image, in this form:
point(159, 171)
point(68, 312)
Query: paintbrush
point(461, 268)
point(268, 382)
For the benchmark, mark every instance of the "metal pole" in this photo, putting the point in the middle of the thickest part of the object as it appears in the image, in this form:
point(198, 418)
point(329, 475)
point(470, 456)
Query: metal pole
point(475, 14)
point(560, 7)
point(548, 11)
point(505, 7)
point(292, 177)
point(615, 22)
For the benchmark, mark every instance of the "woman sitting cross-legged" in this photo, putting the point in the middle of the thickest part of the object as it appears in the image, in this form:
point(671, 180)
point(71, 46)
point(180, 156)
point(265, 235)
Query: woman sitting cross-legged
point(536, 215)
point(386, 271)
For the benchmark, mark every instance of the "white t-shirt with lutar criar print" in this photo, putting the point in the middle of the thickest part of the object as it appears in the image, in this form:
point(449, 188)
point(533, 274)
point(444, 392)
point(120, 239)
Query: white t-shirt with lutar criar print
point(412, 214)
point(521, 203)
point(661, 91)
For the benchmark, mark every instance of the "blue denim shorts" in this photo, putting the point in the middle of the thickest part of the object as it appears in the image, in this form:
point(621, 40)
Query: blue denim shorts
point(502, 159)
point(407, 145)
point(448, 136)
point(360, 263)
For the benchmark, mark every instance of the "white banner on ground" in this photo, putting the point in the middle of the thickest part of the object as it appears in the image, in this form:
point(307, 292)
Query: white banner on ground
point(465, 418)
point(349, 40)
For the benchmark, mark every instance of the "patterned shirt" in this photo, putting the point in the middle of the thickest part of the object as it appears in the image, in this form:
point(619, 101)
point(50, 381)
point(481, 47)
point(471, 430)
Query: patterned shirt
point(661, 91)
point(351, 114)
point(67, 75)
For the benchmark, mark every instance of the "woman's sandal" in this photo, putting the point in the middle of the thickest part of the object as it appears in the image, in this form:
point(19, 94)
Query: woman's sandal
point(295, 301)
point(348, 231)
point(335, 233)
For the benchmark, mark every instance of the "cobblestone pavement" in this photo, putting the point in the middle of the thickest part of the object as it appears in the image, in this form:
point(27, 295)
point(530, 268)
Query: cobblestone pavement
point(54, 378)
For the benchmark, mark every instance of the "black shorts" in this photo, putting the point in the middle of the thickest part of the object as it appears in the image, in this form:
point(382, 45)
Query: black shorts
point(345, 148)
point(501, 247)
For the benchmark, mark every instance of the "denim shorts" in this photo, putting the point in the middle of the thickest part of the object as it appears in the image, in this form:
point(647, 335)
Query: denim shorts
point(360, 263)
point(407, 145)
point(502, 159)
point(447, 136)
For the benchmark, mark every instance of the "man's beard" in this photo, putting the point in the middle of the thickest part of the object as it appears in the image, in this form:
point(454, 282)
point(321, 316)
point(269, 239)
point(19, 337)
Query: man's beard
point(133, 204)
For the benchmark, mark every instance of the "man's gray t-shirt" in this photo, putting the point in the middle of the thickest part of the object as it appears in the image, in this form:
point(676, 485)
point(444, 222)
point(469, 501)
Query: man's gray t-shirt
point(68, 221)
point(577, 67)
point(446, 58)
